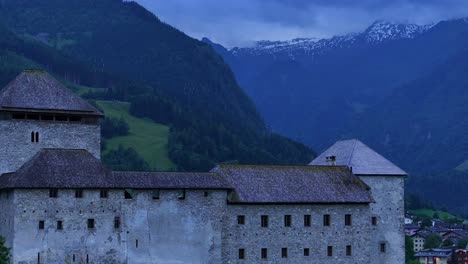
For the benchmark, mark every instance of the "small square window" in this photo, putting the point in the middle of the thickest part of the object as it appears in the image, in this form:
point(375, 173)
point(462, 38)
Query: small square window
point(264, 253)
point(241, 219)
point(264, 220)
point(307, 220)
point(241, 253)
point(306, 252)
point(329, 251)
point(103, 194)
point(348, 250)
point(287, 220)
point(348, 219)
point(326, 220)
point(59, 225)
point(78, 193)
point(41, 224)
point(374, 220)
point(182, 195)
point(284, 252)
point(53, 193)
point(382, 247)
point(90, 223)
point(156, 194)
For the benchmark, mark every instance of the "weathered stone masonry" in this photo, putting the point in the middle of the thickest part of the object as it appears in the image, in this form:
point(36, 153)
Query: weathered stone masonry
point(59, 204)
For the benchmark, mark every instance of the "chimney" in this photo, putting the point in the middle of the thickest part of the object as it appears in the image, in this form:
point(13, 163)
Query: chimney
point(331, 160)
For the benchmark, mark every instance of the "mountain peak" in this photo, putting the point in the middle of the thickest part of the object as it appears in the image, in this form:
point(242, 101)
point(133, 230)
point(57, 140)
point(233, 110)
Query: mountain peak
point(382, 30)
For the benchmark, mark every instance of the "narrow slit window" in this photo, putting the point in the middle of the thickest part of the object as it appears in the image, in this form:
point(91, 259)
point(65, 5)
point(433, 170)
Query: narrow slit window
point(326, 220)
point(307, 220)
point(136, 243)
point(264, 220)
point(41, 224)
point(264, 253)
point(374, 220)
point(241, 253)
point(287, 220)
point(37, 137)
point(33, 137)
point(59, 225)
point(306, 252)
point(74, 258)
point(330, 251)
point(348, 219)
point(38, 258)
point(241, 219)
point(90, 223)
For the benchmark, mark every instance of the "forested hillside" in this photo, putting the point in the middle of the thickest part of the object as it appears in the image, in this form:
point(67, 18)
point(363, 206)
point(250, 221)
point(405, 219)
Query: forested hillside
point(164, 75)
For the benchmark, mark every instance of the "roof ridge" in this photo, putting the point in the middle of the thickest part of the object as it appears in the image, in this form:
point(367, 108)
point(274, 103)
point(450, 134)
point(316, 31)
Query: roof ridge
point(352, 151)
point(283, 166)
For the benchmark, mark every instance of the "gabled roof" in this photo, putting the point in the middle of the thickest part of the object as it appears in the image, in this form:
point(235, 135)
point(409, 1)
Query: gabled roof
point(294, 184)
point(68, 168)
point(37, 90)
point(358, 156)
point(434, 252)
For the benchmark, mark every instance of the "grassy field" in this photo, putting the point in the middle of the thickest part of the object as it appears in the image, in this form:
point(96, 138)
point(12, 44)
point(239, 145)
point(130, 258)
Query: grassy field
point(430, 213)
point(149, 139)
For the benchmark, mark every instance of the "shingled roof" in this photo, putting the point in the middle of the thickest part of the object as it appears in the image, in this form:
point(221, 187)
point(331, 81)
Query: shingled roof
point(362, 159)
point(62, 168)
point(39, 91)
point(294, 184)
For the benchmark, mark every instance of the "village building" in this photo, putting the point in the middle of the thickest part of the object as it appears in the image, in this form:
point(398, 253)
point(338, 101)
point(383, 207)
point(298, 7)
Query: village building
point(435, 256)
point(60, 204)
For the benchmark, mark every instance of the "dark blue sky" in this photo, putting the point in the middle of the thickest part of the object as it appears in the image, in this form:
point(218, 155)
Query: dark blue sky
point(240, 22)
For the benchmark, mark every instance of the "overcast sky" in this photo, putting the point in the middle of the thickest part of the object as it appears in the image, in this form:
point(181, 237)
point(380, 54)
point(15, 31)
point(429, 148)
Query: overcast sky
point(240, 22)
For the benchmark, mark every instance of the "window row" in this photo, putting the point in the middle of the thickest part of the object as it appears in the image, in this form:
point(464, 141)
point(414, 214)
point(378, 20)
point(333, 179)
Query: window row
point(307, 220)
point(284, 252)
point(47, 117)
point(90, 223)
point(127, 194)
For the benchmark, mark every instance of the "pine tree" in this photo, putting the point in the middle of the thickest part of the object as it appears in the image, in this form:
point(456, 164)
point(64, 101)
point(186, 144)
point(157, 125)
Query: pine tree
point(4, 252)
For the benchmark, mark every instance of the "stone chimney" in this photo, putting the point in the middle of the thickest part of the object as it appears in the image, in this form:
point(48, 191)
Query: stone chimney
point(331, 160)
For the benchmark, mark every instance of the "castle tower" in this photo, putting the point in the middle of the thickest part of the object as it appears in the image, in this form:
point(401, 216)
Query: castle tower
point(36, 112)
point(386, 182)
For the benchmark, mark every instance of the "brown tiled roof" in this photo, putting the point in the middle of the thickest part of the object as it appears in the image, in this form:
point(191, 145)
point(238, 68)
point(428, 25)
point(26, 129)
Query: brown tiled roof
point(60, 168)
point(294, 184)
point(37, 90)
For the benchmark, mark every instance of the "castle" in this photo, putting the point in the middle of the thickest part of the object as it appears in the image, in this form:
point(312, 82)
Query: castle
point(59, 204)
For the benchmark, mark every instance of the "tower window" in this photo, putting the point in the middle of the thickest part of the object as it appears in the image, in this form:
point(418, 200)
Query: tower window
point(306, 252)
point(330, 251)
point(241, 219)
point(241, 253)
point(326, 220)
point(59, 225)
point(53, 193)
point(33, 137)
point(37, 137)
point(90, 223)
point(182, 195)
point(128, 195)
point(287, 220)
point(307, 220)
point(382, 247)
point(79, 193)
point(136, 243)
point(374, 220)
point(205, 194)
point(264, 220)
point(348, 219)
point(264, 253)
point(156, 194)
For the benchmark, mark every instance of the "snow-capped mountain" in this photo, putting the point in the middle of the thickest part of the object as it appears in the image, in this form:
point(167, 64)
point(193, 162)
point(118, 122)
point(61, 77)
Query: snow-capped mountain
point(378, 32)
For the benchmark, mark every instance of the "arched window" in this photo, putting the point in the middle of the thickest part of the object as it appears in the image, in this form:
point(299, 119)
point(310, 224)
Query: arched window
point(32, 136)
point(37, 136)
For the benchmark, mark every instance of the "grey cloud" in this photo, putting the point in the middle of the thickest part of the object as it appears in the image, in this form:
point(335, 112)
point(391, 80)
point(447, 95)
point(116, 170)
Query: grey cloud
point(240, 22)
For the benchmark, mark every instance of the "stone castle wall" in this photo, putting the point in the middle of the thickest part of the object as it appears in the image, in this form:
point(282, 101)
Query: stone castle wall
point(388, 193)
point(16, 146)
